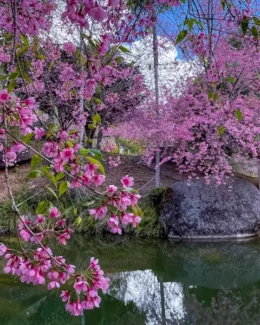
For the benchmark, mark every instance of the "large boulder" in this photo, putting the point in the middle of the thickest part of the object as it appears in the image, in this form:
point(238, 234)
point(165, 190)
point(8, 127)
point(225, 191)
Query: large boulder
point(200, 211)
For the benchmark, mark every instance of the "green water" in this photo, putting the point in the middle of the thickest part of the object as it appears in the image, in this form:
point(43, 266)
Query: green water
point(153, 282)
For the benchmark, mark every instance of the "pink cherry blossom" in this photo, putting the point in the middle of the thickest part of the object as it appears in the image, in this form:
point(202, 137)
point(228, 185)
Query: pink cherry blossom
point(127, 181)
point(113, 224)
point(3, 249)
point(112, 189)
point(54, 213)
point(4, 96)
point(17, 147)
point(99, 213)
point(40, 219)
point(65, 295)
point(53, 285)
point(25, 234)
point(67, 154)
point(39, 133)
point(98, 179)
point(11, 158)
point(80, 286)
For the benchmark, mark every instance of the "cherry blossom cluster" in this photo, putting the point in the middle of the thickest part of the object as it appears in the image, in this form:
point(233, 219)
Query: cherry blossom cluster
point(32, 15)
point(108, 146)
point(118, 203)
point(40, 266)
point(114, 161)
point(20, 114)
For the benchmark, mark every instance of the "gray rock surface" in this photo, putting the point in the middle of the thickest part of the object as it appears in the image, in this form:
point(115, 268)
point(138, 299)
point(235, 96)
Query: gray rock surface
point(231, 210)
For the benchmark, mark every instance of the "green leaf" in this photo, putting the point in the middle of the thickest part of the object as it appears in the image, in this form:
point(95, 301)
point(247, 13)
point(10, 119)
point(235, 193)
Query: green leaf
point(96, 119)
point(14, 75)
point(181, 36)
point(191, 21)
point(78, 221)
point(256, 21)
point(254, 31)
point(56, 111)
point(52, 192)
point(223, 3)
point(75, 211)
point(92, 43)
point(25, 40)
point(96, 153)
point(26, 77)
point(221, 130)
point(96, 162)
point(59, 176)
point(119, 60)
point(27, 138)
point(97, 100)
point(212, 96)
point(22, 50)
point(51, 65)
point(89, 203)
point(83, 152)
point(36, 159)
point(49, 175)
point(39, 56)
point(69, 144)
point(11, 86)
point(244, 24)
point(63, 188)
point(42, 207)
point(124, 49)
point(231, 80)
point(35, 174)
point(238, 114)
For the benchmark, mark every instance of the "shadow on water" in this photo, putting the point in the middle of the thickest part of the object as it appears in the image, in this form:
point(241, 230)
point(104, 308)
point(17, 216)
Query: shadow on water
point(153, 282)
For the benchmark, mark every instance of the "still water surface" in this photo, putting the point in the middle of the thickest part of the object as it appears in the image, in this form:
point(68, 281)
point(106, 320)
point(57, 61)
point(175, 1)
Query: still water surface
point(153, 282)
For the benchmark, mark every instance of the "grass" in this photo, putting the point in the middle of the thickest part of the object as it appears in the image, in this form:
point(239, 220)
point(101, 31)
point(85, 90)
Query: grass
point(77, 204)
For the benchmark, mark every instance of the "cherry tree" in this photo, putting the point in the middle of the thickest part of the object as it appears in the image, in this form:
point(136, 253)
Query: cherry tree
point(30, 61)
point(214, 118)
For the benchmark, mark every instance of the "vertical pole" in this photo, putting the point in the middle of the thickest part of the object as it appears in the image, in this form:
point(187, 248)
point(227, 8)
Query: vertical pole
point(83, 320)
point(81, 103)
point(258, 173)
point(156, 86)
point(162, 301)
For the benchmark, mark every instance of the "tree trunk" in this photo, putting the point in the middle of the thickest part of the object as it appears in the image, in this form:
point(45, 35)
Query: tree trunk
point(81, 107)
point(156, 86)
point(99, 138)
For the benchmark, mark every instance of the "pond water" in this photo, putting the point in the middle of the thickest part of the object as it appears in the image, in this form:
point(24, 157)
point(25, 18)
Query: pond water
point(153, 282)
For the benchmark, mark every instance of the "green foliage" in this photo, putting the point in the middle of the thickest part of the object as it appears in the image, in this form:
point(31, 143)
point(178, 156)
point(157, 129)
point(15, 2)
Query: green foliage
point(64, 186)
point(130, 147)
point(238, 114)
point(221, 130)
point(181, 36)
point(75, 209)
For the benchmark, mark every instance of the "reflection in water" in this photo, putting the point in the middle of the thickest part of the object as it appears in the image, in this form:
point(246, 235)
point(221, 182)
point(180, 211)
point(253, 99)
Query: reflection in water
point(143, 289)
point(153, 283)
